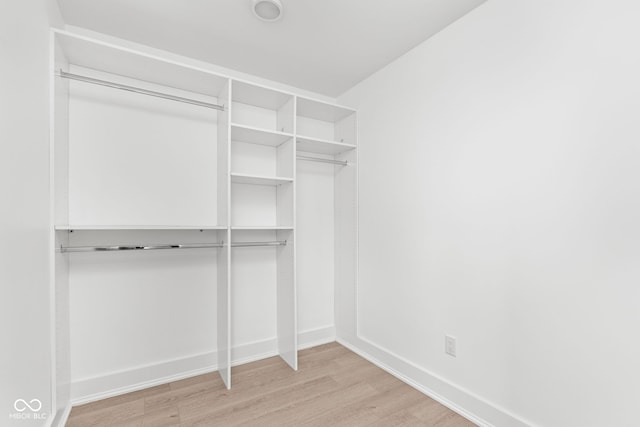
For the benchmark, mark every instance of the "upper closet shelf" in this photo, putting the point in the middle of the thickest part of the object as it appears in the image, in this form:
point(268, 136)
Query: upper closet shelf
point(139, 227)
point(259, 96)
point(323, 111)
point(239, 178)
point(142, 91)
point(260, 227)
point(253, 135)
point(117, 60)
point(321, 146)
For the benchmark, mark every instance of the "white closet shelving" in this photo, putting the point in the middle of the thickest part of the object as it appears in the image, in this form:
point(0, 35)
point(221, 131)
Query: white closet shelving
point(262, 204)
point(149, 153)
point(326, 179)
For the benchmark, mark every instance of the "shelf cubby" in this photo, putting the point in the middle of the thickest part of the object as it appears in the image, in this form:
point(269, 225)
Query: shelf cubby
point(253, 135)
point(262, 108)
point(259, 157)
point(320, 124)
point(261, 202)
point(321, 146)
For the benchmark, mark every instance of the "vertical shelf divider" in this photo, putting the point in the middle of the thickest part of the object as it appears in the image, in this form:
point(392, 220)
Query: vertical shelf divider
point(287, 304)
point(224, 253)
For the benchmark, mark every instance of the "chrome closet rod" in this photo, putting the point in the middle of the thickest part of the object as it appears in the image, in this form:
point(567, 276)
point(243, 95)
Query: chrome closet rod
point(316, 159)
point(169, 246)
point(138, 247)
point(141, 91)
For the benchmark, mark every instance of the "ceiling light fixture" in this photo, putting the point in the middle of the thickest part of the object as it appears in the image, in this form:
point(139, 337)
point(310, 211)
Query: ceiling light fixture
point(267, 10)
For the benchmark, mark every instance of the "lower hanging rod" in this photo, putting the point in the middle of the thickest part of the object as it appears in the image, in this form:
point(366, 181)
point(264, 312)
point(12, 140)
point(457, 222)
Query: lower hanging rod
point(317, 159)
point(170, 246)
point(138, 247)
point(141, 91)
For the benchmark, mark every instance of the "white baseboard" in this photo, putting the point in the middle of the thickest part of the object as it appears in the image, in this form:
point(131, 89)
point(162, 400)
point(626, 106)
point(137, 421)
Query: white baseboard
point(463, 402)
point(316, 337)
point(59, 419)
point(101, 387)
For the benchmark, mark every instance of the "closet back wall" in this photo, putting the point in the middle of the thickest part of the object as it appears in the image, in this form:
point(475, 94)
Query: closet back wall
point(128, 154)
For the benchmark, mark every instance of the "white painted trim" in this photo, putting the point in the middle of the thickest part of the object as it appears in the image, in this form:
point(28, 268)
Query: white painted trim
point(461, 403)
point(316, 337)
point(59, 421)
point(52, 261)
point(101, 387)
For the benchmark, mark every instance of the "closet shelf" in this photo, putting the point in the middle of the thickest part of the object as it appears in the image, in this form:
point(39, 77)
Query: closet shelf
point(117, 248)
point(321, 146)
point(142, 91)
point(239, 178)
point(259, 96)
point(139, 227)
point(323, 111)
point(254, 135)
point(261, 227)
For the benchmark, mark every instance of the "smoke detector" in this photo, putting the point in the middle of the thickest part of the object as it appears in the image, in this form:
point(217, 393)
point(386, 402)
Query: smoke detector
point(267, 10)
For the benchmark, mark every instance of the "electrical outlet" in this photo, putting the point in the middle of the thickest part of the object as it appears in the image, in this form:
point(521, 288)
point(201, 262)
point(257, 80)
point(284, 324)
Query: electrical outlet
point(450, 345)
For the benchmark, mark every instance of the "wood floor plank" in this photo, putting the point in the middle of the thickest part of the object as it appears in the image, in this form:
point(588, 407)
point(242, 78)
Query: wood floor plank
point(306, 409)
point(333, 387)
point(253, 408)
point(432, 413)
point(105, 416)
point(116, 400)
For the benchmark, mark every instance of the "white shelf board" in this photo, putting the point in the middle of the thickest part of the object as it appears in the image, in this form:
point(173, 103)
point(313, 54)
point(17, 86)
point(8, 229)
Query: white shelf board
point(255, 135)
point(100, 55)
point(321, 146)
point(261, 227)
point(139, 227)
point(322, 110)
point(240, 178)
point(258, 96)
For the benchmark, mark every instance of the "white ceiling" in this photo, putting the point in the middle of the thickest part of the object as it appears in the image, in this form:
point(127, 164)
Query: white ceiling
point(325, 46)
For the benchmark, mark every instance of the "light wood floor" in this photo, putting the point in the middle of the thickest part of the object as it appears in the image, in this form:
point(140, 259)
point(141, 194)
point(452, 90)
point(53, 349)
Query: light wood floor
point(333, 387)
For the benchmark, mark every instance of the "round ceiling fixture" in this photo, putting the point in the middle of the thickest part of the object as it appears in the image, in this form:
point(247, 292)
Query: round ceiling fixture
point(267, 10)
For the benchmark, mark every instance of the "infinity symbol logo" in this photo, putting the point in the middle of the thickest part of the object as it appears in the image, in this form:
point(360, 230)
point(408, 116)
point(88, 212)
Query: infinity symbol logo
point(21, 405)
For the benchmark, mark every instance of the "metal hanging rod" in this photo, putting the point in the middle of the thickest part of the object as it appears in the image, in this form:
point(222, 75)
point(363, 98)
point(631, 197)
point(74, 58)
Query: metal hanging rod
point(138, 247)
point(159, 247)
point(316, 159)
point(114, 85)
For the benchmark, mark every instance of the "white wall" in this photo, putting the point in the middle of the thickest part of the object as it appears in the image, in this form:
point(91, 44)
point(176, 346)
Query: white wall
point(24, 225)
point(502, 160)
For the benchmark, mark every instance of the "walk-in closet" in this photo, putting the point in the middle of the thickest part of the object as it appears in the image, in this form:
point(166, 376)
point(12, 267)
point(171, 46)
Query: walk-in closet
point(185, 200)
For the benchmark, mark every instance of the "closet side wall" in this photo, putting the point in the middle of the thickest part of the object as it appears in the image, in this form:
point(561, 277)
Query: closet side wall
point(504, 152)
point(25, 371)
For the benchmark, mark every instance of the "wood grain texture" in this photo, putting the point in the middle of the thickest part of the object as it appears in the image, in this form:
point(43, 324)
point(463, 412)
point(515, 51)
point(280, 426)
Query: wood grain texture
point(333, 387)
